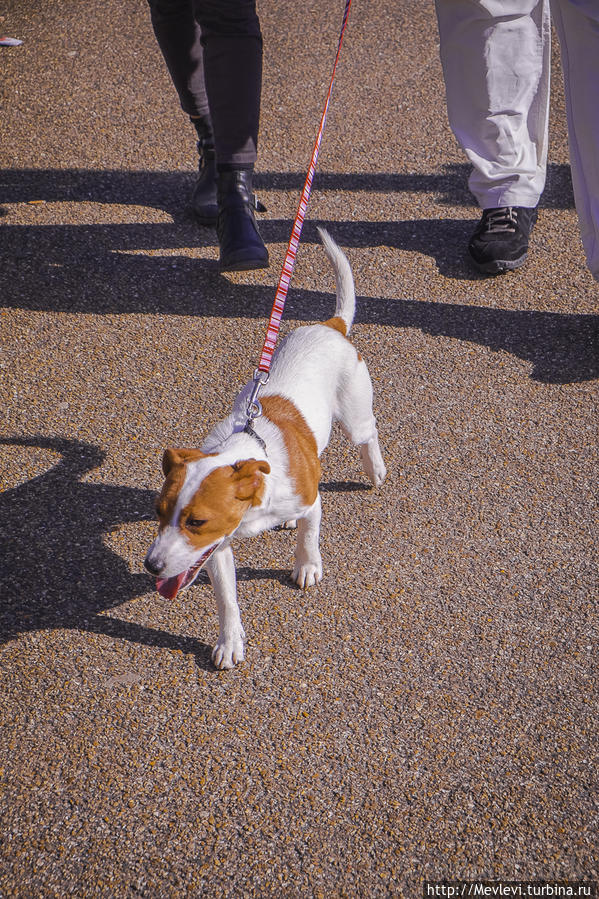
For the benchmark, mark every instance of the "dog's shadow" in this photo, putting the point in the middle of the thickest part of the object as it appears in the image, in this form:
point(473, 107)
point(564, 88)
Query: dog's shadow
point(56, 571)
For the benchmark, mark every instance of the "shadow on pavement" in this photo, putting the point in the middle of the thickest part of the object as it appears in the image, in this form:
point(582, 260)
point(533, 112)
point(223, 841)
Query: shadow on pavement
point(104, 269)
point(561, 349)
point(56, 571)
point(164, 190)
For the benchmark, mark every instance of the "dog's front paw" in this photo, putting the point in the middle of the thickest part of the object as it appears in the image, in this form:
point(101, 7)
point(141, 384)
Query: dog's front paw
point(227, 653)
point(307, 574)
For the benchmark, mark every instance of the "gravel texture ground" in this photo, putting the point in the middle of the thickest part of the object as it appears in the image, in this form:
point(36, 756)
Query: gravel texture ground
point(430, 711)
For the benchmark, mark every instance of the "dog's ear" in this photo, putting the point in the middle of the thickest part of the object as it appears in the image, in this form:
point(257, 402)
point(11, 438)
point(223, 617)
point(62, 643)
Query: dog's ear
point(169, 460)
point(174, 457)
point(250, 483)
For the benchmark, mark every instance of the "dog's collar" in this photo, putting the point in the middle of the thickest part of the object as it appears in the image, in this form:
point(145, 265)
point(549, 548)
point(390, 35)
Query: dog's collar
point(249, 430)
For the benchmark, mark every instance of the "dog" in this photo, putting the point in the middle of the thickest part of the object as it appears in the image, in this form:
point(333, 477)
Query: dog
point(250, 477)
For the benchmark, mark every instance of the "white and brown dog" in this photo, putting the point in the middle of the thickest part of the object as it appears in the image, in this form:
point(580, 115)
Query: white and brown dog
point(247, 480)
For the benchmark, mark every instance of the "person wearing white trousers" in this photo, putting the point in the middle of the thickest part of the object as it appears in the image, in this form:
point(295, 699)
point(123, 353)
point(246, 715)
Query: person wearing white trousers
point(496, 58)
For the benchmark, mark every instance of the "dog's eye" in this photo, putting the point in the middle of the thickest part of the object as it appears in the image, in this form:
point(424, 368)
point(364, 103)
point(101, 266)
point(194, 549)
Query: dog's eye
point(194, 523)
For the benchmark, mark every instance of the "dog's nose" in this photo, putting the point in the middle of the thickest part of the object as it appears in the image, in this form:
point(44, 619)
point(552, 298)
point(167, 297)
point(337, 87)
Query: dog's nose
point(154, 567)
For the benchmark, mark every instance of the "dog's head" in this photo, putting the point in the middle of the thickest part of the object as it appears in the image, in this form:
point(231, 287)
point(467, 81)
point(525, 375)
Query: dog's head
point(201, 503)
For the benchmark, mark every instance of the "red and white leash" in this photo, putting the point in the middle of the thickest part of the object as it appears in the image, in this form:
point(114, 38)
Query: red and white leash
point(261, 374)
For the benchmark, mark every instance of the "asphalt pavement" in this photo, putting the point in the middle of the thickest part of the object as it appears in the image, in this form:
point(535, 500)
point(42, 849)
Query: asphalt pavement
point(429, 712)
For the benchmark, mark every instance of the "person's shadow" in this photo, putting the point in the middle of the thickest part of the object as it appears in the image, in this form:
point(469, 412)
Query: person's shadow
point(107, 266)
point(55, 570)
point(107, 269)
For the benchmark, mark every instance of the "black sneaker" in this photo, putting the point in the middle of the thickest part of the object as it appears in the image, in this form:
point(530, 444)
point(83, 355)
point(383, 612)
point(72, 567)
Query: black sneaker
point(500, 241)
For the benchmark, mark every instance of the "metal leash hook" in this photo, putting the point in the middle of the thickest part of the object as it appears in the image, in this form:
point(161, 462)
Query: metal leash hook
point(254, 407)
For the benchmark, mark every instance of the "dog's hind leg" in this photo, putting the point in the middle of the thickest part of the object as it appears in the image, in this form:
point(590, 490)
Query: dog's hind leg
point(221, 570)
point(358, 423)
point(308, 561)
point(372, 460)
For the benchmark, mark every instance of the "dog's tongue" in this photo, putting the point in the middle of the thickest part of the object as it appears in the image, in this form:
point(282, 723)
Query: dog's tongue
point(170, 586)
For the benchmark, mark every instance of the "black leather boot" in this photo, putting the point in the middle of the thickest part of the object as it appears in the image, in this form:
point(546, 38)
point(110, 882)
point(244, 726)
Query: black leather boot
point(241, 247)
point(203, 198)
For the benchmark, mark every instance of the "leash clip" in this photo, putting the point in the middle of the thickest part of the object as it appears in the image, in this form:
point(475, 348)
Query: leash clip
point(254, 407)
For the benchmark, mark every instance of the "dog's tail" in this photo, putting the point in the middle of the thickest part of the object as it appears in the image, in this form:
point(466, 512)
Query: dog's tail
point(344, 281)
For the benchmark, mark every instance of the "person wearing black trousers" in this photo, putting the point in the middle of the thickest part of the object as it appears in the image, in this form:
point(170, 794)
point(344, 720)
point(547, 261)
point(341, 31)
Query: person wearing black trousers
point(213, 51)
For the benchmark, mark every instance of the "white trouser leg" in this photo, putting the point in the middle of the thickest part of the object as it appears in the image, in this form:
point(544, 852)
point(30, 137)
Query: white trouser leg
point(577, 25)
point(496, 64)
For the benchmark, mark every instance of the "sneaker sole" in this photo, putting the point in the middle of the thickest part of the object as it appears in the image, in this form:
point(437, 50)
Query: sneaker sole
point(499, 266)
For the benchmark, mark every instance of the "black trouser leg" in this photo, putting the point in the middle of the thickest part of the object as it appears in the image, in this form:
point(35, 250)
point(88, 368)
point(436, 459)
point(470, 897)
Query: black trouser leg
point(232, 43)
point(234, 101)
point(213, 51)
point(179, 38)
